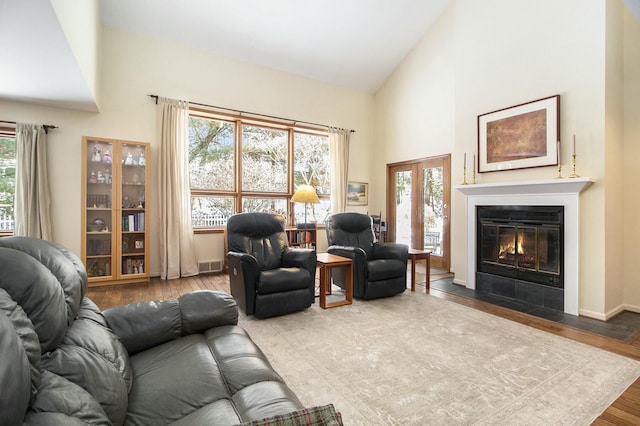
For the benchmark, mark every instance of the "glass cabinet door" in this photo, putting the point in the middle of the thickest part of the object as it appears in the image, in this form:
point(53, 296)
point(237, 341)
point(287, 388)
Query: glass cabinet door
point(133, 173)
point(99, 203)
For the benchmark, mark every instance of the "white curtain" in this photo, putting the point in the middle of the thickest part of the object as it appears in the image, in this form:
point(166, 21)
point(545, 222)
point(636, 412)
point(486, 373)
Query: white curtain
point(177, 252)
point(339, 156)
point(32, 196)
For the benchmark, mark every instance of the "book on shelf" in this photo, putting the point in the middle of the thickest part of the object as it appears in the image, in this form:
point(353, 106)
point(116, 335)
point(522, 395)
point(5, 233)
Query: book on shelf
point(133, 222)
point(133, 266)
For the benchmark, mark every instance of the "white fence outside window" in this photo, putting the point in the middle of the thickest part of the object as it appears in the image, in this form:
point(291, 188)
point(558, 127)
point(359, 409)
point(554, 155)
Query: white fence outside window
point(208, 220)
point(6, 223)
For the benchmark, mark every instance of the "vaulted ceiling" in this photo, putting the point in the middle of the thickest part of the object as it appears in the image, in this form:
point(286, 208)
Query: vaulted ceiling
point(351, 43)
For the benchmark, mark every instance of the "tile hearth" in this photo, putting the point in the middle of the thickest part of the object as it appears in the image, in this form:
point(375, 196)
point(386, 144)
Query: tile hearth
point(623, 327)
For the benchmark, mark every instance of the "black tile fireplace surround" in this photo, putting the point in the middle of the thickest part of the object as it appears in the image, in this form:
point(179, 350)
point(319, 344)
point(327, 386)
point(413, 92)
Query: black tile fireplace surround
point(520, 253)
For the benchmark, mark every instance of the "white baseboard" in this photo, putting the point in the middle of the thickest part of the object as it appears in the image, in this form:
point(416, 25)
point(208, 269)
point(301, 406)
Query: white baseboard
point(611, 313)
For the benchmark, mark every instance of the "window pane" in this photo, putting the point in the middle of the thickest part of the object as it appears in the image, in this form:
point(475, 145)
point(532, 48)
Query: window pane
point(311, 162)
point(265, 205)
point(211, 154)
point(7, 182)
point(317, 213)
point(211, 212)
point(264, 159)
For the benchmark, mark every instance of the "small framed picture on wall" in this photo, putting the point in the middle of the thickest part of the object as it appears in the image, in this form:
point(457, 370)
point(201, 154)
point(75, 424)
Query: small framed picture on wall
point(357, 193)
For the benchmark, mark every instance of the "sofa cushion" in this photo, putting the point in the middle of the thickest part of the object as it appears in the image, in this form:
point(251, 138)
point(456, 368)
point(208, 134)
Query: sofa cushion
point(197, 375)
point(92, 357)
point(32, 286)
point(283, 279)
point(61, 402)
point(14, 369)
point(172, 380)
point(386, 269)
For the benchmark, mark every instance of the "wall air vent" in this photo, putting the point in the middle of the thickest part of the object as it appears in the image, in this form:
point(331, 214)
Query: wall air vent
point(209, 266)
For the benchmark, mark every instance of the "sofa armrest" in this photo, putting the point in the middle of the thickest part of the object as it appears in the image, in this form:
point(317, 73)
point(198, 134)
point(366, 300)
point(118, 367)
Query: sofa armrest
point(356, 254)
point(360, 265)
point(299, 257)
point(391, 251)
point(143, 325)
point(242, 257)
point(205, 309)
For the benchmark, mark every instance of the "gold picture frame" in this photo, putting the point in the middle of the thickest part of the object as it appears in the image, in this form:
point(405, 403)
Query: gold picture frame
point(357, 193)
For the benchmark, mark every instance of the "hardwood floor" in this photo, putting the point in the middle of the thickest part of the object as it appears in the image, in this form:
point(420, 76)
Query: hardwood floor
point(624, 411)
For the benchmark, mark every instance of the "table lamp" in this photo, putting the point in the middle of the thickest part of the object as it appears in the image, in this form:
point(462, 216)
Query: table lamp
point(305, 194)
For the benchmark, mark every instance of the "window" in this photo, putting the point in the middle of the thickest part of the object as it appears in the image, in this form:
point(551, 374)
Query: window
point(7, 179)
point(247, 165)
point(311, 166)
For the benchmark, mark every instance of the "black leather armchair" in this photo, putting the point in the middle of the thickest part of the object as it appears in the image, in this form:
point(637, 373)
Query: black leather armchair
point(379, 269)
point(268, 277)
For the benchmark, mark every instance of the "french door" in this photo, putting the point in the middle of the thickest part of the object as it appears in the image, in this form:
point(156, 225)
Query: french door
point(418, 200)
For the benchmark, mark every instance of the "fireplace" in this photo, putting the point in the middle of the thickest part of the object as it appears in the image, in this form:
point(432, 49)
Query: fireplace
point(554, 192)
point(522, 242)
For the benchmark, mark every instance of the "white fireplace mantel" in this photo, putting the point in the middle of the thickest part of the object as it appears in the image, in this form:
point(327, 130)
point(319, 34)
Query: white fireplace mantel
point(549, 186)
point(557, 192)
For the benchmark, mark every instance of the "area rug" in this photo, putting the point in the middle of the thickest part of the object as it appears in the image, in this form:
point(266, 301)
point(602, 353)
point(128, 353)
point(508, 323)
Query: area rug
point(414, 359)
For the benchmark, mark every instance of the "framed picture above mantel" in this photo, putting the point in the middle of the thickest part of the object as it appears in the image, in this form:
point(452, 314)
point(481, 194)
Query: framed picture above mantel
point(520, 137)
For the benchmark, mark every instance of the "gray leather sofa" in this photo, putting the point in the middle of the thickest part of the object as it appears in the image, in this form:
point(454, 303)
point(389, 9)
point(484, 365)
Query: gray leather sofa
point(63, 362)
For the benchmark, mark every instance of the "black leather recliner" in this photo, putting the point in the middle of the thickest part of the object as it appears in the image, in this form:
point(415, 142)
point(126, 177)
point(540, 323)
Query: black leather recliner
point(379, 269)
point(267, 277)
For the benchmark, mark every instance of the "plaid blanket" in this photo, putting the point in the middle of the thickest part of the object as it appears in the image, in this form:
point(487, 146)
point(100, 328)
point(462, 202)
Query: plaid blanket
point(325, 415)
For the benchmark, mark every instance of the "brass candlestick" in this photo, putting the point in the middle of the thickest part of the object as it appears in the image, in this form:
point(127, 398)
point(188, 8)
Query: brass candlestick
point(573, 167)
point(559, 171)
point(474, 175)
point(464, 176)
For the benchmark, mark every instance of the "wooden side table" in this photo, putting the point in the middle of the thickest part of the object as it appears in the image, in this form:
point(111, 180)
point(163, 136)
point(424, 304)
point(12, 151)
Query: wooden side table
point(415, 255)
point(326, 262)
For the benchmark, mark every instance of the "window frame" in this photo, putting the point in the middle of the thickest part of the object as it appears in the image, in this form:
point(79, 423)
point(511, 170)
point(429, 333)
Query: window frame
point(237, 194)
point(8, 132)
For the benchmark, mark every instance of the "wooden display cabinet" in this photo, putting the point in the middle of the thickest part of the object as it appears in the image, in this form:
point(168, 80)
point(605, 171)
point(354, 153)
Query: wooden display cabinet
point(115, 217)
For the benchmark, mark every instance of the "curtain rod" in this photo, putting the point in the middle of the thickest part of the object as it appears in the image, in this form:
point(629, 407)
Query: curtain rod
point(46, 127)
point(238, 112)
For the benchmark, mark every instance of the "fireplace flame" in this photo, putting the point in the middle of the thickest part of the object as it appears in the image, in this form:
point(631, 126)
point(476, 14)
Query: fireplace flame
point(509, 248)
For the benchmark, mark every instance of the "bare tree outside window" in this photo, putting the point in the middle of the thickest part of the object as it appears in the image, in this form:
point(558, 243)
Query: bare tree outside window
point(264, 159)
point(311, 167)
point(266, 174)
point(211, 154)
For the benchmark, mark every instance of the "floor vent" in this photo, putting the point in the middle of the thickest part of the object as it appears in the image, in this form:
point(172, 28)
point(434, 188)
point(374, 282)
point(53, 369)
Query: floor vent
point(209, 266)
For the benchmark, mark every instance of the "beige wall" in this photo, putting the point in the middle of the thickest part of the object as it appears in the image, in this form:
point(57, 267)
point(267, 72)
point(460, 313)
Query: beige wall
point(414, 110)
point(132, 68)
point(631, 161)
point(483, 56)
point(80, 22)
point(614, 154)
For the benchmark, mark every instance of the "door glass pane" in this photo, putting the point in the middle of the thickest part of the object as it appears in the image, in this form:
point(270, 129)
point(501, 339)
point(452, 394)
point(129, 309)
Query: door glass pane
point(433, 209)
point(133, 175)
point(98, 209)
point(403, 207)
